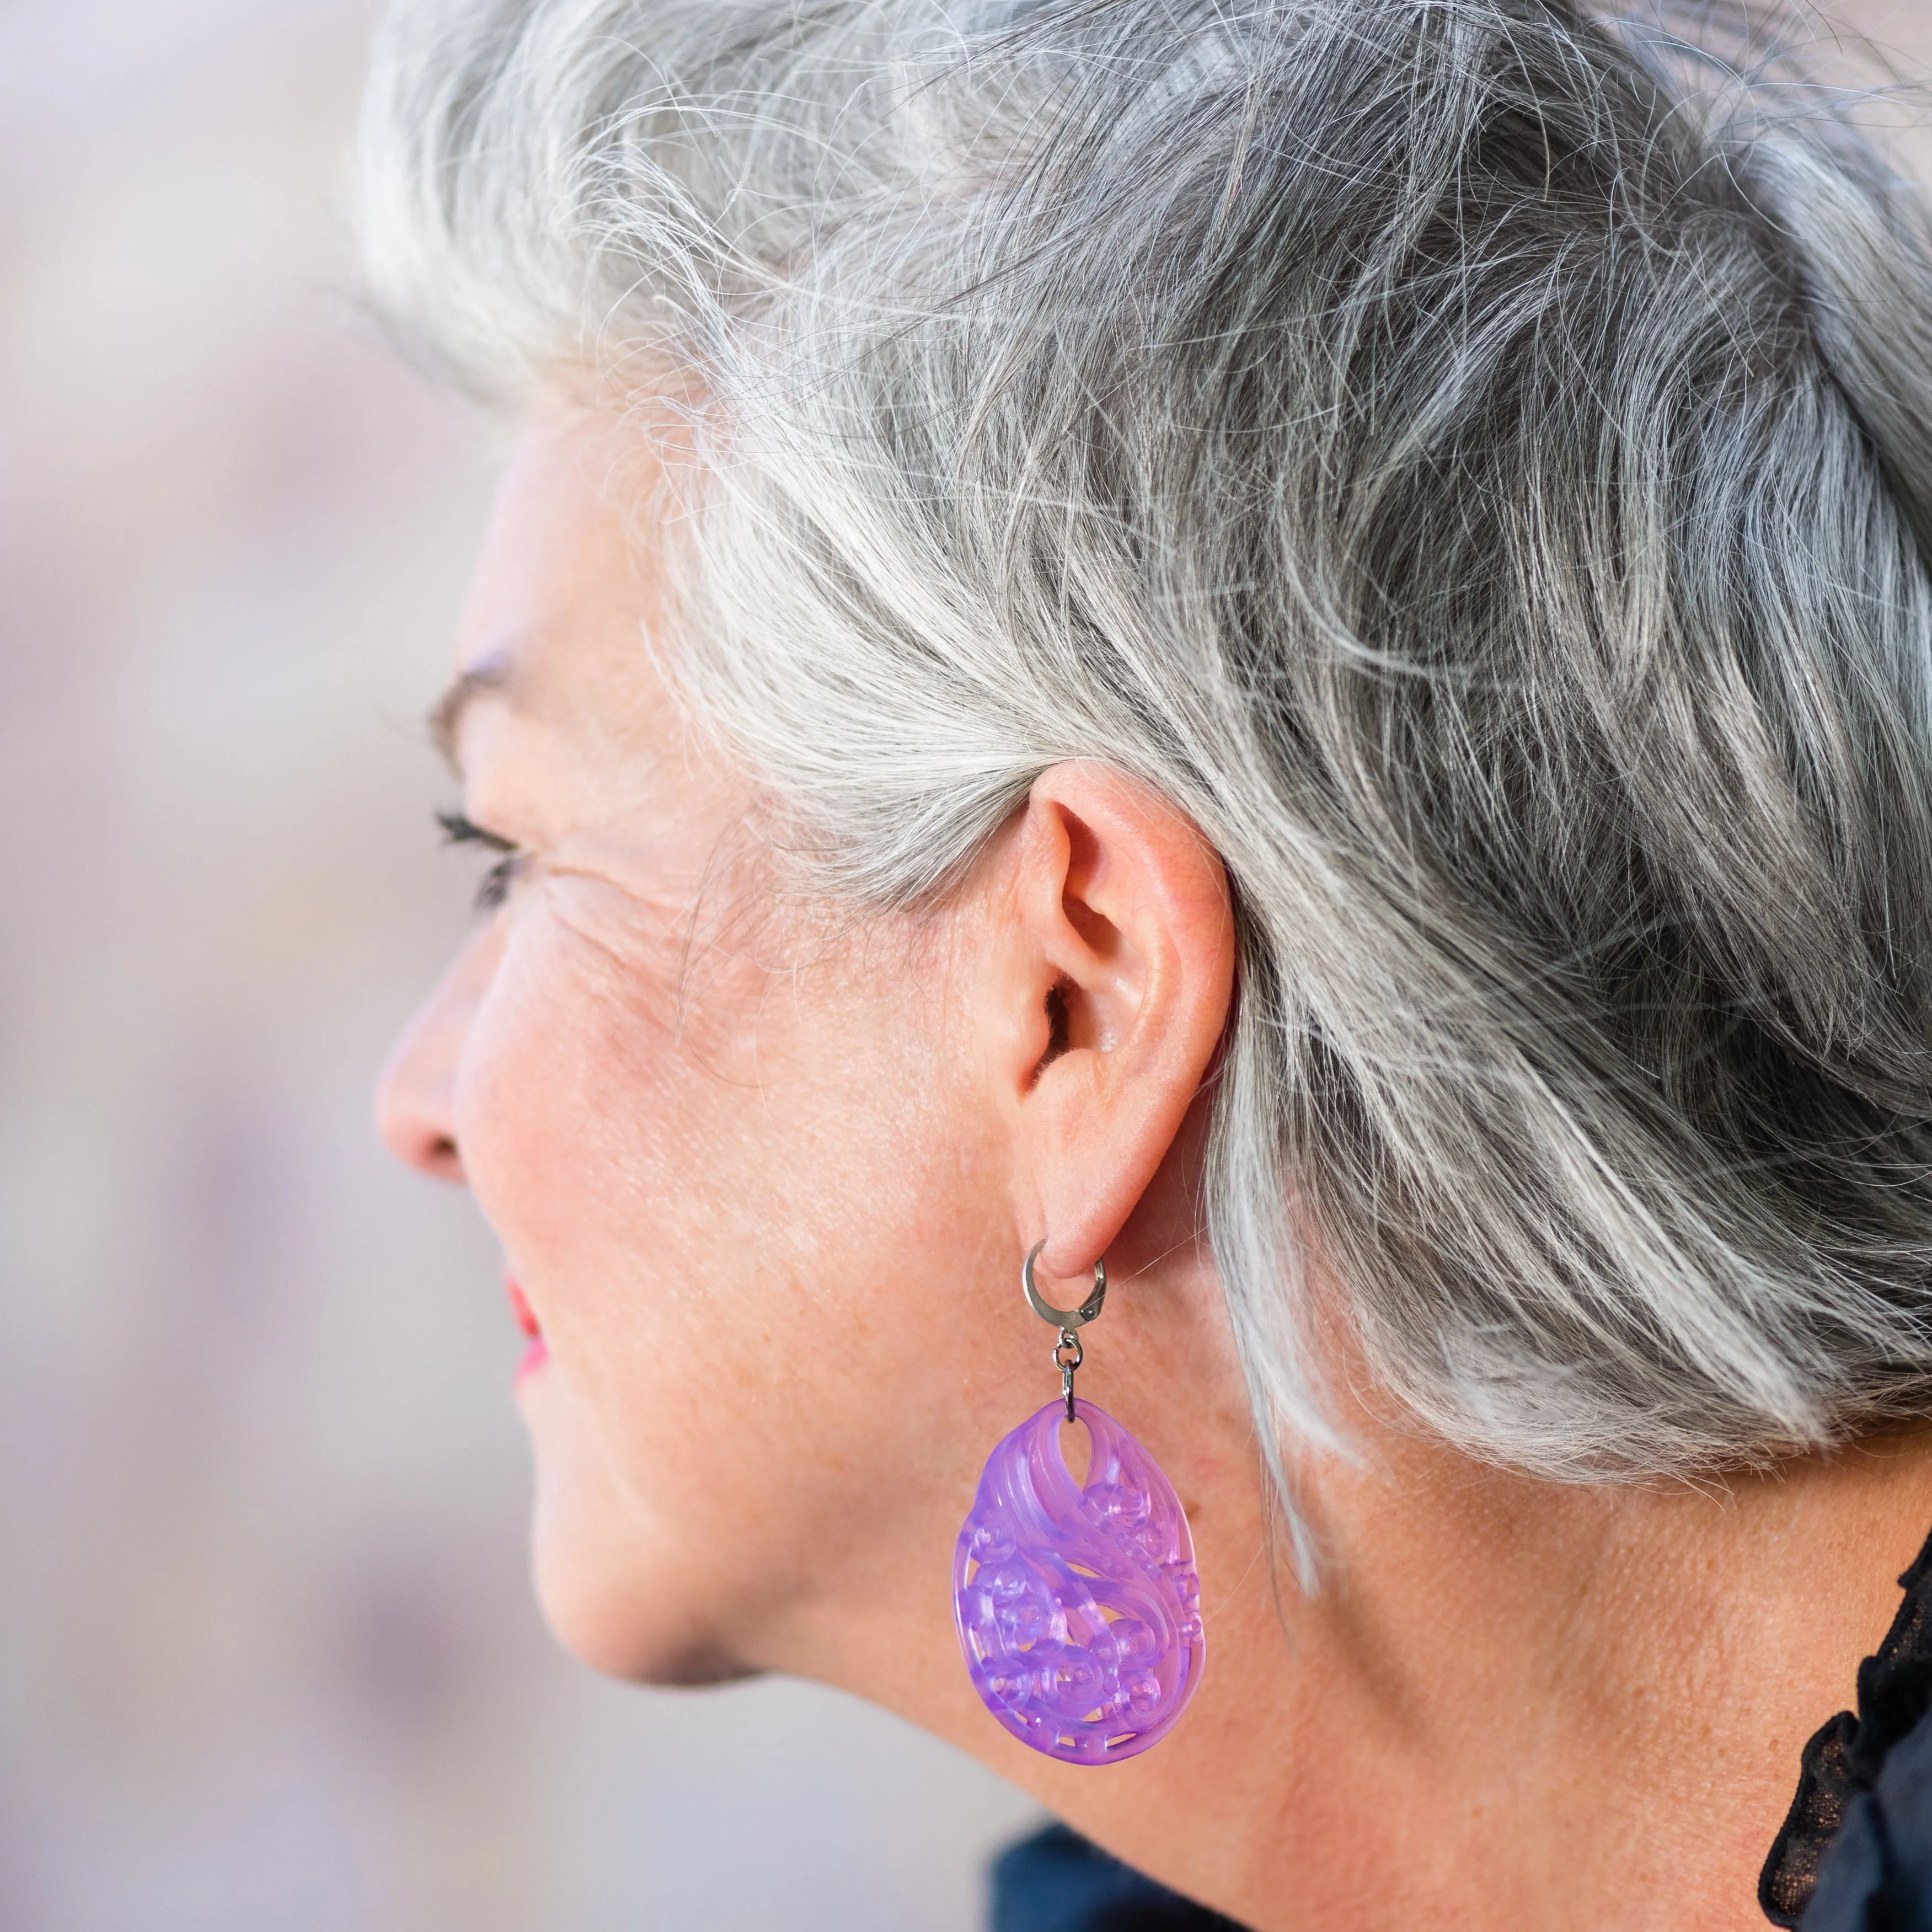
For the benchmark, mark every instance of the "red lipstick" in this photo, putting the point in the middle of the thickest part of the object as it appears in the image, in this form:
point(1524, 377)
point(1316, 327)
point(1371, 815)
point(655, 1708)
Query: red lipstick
point(537, 1354)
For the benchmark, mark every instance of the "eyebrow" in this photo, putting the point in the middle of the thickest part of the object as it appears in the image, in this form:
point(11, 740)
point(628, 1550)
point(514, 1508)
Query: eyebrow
point(445, 715)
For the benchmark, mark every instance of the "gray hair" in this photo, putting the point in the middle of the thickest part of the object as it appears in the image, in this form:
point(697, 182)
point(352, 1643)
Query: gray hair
point(1473, 459)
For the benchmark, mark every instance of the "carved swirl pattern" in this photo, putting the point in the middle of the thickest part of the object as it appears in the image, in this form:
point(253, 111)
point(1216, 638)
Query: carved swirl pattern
point(1078, 1608)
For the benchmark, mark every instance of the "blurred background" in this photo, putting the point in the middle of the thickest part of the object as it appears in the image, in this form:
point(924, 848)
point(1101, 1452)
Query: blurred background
point(268, 1658)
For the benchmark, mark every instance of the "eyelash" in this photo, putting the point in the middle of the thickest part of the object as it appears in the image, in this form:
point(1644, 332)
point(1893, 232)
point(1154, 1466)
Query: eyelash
point(458, 830)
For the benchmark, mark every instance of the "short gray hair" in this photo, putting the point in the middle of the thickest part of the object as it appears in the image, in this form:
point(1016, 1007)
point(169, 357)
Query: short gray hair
point(1473, 459)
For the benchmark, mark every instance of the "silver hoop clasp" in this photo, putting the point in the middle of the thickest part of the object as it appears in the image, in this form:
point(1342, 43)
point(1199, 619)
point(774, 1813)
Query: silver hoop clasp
point(1063, 1318)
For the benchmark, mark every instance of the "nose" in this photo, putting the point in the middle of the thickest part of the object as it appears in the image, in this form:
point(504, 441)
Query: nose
point(416, 1098)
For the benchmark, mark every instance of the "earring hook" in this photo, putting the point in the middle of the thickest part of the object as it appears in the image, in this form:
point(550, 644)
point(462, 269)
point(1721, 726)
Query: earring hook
point(1063, 1318)
point(1067, 1353)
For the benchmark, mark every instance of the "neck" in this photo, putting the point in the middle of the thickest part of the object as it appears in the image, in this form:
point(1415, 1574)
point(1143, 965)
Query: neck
point(1509, 1705)
point(1512, 1704)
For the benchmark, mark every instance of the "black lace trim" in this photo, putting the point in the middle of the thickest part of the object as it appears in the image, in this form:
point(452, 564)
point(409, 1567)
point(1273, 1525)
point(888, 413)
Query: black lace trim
point(1844, 1757)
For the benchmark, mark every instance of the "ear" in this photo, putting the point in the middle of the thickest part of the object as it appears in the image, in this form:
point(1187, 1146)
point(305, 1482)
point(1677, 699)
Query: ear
point(1110, 949)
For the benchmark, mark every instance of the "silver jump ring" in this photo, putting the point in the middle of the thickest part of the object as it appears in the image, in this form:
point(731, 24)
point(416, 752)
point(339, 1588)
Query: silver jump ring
point(1063, 1318)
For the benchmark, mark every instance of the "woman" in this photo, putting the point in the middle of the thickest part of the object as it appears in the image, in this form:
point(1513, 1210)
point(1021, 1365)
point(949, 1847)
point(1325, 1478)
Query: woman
point(1288, 648)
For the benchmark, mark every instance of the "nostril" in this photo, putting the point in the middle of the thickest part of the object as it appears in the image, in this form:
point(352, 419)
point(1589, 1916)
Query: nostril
point(416, 1133)
point(436, 1154)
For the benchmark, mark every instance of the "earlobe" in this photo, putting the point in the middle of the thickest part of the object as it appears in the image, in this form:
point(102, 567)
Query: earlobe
point(1113, 955)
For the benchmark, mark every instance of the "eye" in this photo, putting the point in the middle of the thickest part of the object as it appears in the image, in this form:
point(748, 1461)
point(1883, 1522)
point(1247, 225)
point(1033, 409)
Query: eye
point(458, 830)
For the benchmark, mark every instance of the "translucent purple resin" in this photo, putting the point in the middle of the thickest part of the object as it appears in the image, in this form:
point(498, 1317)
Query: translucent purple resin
point(1078, 1609)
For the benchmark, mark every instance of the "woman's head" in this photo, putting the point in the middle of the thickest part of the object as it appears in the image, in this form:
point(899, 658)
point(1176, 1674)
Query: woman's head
point(757, 1169)
point(1467, 467)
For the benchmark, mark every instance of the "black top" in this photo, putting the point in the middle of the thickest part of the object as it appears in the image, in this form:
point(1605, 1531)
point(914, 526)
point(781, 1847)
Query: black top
point(1056, 1881)
point(1855, 1853)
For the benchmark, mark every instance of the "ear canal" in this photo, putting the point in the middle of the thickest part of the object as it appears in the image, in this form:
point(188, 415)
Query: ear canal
point(1057, 1033)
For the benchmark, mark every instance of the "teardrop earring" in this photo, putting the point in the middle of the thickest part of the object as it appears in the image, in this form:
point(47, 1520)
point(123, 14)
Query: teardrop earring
point(1078, 1605)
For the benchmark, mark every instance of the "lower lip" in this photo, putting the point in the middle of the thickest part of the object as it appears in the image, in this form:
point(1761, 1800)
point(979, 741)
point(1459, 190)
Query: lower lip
point(537, 1352)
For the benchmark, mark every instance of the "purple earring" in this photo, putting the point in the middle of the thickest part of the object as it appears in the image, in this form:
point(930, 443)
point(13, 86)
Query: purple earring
point(1078, 1608)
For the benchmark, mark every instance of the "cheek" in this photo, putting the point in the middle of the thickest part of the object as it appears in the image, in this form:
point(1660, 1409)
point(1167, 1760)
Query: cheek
point(739, 1216)
point(585, 1134)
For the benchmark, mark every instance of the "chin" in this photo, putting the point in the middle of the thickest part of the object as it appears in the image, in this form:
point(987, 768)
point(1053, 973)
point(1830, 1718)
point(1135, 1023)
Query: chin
point(607, 1626)
point(609, 1595)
